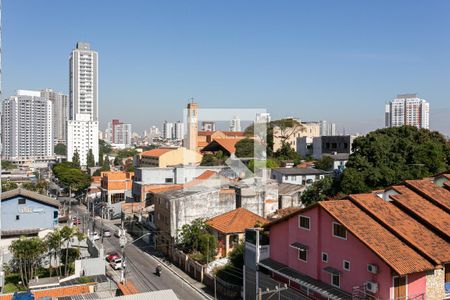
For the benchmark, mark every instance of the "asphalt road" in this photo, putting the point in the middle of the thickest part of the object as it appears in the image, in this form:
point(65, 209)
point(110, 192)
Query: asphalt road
point(141, 265)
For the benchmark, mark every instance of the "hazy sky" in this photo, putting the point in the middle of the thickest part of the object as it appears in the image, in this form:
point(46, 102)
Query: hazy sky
point(333, 60)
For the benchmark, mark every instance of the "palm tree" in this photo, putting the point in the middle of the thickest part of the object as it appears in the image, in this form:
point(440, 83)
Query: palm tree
point(53, 241)
point(67, 233)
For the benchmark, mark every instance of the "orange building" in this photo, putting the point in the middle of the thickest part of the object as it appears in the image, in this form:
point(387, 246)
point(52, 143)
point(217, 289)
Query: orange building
point(114, 186)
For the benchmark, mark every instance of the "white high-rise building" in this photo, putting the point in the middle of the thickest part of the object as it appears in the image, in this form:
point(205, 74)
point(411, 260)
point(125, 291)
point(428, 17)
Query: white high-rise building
point(235, 124)
point(168, 130)
point(82, 128)
point(119, 133)
point(407, 109)
point(27, 128)
point(60, 104)
point(327, 128)
point(263, 118)
point(178, 131)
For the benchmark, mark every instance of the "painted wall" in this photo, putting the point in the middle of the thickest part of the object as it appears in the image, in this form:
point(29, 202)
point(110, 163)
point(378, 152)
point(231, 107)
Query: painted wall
point(32, 215)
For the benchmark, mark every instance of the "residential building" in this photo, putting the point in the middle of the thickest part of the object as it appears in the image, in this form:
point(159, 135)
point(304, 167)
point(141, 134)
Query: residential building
point(289, 135)
point(229, 228)
point(208, 126)
point(119, 134)
point(391, 244)
point(60, 113)
point(27, 128)
point(115, 186)
point(82, 127)
point(235, 124)
point(297, 175)
point(327, 128)
point(262, 118)
point(206, 137)
point(192, 130)
point(227, 146)
point(166, 157)
point(178, 131)
point(407, 109)
point(168, 130)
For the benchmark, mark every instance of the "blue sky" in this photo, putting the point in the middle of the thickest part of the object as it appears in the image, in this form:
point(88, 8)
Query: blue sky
point(333, 60)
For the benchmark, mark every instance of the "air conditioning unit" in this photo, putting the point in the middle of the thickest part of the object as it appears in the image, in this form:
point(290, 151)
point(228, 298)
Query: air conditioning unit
point(372, 268)
point(372, 286)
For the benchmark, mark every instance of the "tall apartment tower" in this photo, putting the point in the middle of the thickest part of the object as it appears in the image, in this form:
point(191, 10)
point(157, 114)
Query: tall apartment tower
point(168, 130)
point(82, 127)
point(407, 109)
point(60, 104)
point(178, 131)
point(192, 123)
point(27, 128)
point(235, 124)
point(119, 133)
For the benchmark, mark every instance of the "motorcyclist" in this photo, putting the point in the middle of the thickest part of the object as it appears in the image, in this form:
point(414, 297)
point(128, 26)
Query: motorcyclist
point(158, 270)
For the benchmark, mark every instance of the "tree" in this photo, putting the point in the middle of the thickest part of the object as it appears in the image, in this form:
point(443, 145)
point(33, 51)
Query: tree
point(7, 165)
point(245, 148)
point(60, 149)
point(71, 177)
point(325, 163)
point(90, 159)
point(389, 156)
point(76, 159)
point(216, 159)
point(195, 239)
point(270, 164)
point(318, 191)
point(287, 153)
point(128, 167)
point(40, 187)
point(9, 185)
point(53, 241)
point(104, 147)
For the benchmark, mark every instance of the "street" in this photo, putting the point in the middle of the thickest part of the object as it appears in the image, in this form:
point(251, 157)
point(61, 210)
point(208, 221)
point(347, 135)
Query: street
point(140, 265)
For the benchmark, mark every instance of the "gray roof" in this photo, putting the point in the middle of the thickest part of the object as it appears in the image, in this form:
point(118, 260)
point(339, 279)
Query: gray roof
point(289, 188)
point(339, 156)
point(29, 194)
point(299, 171)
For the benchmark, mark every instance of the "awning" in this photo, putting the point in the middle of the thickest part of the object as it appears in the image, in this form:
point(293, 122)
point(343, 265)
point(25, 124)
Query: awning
point(331, 270)
point(299, 246)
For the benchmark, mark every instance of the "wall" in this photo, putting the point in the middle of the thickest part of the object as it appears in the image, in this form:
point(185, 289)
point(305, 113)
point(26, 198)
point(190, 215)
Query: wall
point(435, 284)
point(42, 217)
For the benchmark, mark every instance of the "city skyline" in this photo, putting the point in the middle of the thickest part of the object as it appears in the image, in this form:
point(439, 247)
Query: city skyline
point(277, 63)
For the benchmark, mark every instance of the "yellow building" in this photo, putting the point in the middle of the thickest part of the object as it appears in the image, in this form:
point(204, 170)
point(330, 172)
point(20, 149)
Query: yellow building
point(165, 157)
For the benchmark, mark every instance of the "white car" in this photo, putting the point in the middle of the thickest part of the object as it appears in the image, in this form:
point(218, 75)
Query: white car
point(107, 233)
point(95, 236)
point(117, 264)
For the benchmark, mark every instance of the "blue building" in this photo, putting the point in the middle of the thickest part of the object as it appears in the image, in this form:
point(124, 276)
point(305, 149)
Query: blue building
point(26, 213)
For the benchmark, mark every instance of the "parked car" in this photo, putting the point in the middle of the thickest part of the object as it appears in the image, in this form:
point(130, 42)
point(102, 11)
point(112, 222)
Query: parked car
point(118, 233)
point(112, 255)
point(117, 264)
point(95, 236)
point(107, 233)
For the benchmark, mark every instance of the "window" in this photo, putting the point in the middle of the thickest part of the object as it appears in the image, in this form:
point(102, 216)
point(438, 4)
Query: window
point(346, 265)
point(22, 201)
point(339, 231)
point(17, 217)
point(335, 280)
point(303, 222)
point(169, 180)
point(55, 214)
point(324, 257)
point(302, 255)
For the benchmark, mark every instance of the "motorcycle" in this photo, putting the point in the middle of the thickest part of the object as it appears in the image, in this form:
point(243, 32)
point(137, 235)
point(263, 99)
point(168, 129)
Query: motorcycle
point(158, 271)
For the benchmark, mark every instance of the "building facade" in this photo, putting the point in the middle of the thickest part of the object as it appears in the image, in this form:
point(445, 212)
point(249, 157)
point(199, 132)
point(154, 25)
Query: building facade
point(192, 130)
point(289, 135)
point(178, 131)
point(27, 128)
point(119, 133)
point(235, 124)
point(82, 127)
point(327, 128)
point(60, 106)
point(167, 157)
point(407, 109)
point(297, 175)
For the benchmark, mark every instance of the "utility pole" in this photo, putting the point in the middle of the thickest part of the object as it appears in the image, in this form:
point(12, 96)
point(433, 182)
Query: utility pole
point(215, 287)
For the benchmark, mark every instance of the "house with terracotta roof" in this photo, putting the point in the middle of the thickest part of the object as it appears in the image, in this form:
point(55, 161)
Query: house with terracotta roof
point(206, 137)
point(227, 146)
point(392, 244)
point(166, 157)
point(229, 228)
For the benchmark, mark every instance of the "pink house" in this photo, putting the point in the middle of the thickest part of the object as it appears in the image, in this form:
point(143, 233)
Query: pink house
point(390, 245)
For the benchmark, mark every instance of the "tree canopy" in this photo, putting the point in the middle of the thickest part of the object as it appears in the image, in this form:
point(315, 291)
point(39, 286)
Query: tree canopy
point(71, 177)
point(195, 239)
point(76, 159)
point(8, 185)
point(388, 156)
point(7, 165)
point(60, 149)
point(90, 159)
point(216, 159)
point(245, 148)
point(325, 163)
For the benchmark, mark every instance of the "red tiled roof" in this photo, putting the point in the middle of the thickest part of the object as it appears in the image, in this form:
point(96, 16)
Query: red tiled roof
point(56, 292)
point(206, 175)
point(401, 258)
point(431, 191)
point(227, 144)
point(157, 152)
point(235, 221)
point(405, 227)
point(227, 133)
point(422, 208)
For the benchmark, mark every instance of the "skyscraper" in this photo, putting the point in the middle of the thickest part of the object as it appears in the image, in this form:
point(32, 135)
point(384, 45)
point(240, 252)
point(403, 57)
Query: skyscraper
point(235, 124)
point(60, 105)
point(168, 130)
point(82, 128)
point(119, 133)
point(327, 128)
point(407, 109)
point(262, 118)
point(27, 128)
point(178, 131)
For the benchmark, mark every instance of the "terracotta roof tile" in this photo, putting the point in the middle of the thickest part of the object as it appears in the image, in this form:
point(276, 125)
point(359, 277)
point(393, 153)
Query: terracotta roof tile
point(401, 258)
point(157, 152)
point(433, 192)
point(415, 233)
point(227, 144)
point(423, 209)
point(235, 221)
point(206, 175)
point(63, 291)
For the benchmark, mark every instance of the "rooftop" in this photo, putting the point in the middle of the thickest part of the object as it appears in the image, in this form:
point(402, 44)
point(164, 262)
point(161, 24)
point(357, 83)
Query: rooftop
point(228, 144)
point(235, 221)
point(299, 171)
point(157, 152)
point(29, 194)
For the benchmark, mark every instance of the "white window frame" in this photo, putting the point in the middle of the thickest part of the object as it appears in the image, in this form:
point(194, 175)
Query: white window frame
point(332, 231)
point(309, 222)
point(332, 276)
point(298, 255)
point(321, 257)
point(343, 265)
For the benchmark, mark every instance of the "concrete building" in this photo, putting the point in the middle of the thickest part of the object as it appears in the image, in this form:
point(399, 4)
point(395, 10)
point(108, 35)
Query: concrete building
point(119, 134)
point(168, 130)
point(206, 137)
point(60, 108)
point(235, 124)
point(297, 175)
point(208, 126)
point(290, 134)
point(192, 130)
point(115, 187)
point(166, 157)
point(327, 128)
point(27, 128)
point(178, 131)
point(82, 127)
point(331, 145)
point(407, 109)
point(263, 118)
